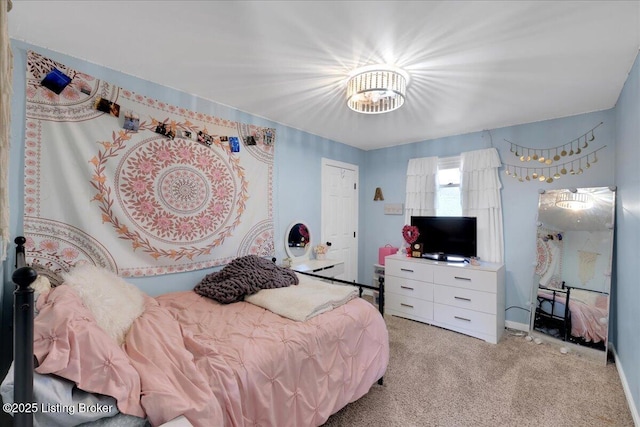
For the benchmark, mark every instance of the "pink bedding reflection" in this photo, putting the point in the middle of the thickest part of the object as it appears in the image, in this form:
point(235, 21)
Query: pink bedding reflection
point(589, 312)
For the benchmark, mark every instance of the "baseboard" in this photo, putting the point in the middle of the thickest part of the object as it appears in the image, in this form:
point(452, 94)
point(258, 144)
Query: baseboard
point(625, 386)
point(516, 325)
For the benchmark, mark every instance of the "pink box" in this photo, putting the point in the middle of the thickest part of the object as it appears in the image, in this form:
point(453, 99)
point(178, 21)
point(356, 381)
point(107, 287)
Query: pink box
point(384, 251)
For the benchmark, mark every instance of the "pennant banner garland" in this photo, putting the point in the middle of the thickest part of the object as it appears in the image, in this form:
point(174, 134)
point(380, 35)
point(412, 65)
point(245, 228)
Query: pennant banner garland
point(137, 186)
point(550, 164)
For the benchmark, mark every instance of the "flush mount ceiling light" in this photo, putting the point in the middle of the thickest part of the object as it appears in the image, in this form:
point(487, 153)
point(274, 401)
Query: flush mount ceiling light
point(574, 201)
point(376, 89)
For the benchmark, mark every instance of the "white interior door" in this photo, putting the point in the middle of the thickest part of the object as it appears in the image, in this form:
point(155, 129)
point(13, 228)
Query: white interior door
point(339, 220)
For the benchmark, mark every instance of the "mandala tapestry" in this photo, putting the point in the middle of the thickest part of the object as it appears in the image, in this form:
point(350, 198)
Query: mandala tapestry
point(138, 186)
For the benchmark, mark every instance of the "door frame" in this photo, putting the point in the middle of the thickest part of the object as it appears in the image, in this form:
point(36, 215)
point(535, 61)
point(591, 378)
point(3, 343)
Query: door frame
point(326, 162)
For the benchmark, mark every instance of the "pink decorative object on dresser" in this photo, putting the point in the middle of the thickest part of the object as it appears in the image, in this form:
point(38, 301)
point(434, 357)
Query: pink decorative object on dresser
point(384, 251)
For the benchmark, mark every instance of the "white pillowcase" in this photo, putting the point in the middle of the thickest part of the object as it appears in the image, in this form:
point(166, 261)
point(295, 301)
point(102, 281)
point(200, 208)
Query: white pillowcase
point(40, 286)
point(114, 303)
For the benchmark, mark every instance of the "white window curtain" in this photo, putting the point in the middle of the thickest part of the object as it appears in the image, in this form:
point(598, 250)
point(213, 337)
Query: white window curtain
point(480, 190)
point(6, 84)
point(422, 177)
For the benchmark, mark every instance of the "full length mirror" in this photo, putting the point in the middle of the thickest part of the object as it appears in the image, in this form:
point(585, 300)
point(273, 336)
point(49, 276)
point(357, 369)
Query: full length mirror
point(573, 271)
point(297, 240)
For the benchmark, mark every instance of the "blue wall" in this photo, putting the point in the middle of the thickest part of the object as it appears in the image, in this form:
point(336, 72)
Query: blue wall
point(297, 189)
point(386, 168)
point(627, 296)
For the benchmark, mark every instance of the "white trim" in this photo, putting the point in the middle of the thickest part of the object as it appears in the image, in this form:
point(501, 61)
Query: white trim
point(338, 164)
point(516, 325)
point(447, 164)
point(625, 386)
point(595, 355)
point(453, 162)
point(326, 162)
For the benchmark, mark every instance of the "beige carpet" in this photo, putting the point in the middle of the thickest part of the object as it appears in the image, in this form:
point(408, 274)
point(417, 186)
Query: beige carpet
point(441, 378)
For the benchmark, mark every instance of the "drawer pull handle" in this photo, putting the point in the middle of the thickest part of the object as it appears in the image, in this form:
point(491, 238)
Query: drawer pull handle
point(462, 278)
point(462, 318)
point(463, 299)
point(406, 287)
point(406, 305)
point(407, 270)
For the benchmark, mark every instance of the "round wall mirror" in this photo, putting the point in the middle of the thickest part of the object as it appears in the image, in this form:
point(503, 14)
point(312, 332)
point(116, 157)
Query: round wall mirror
point(298, 240)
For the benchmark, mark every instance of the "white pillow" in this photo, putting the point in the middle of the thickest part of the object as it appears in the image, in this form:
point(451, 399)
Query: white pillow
point(114, 303)
point(40, 286)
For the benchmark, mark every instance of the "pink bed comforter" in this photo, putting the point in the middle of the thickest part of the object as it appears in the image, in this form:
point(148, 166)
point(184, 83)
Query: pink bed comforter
point(222, 365)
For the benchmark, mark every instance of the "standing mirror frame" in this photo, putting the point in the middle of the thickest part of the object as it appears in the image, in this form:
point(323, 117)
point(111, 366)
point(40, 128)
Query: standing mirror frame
point(297, 241)
point(574, 242)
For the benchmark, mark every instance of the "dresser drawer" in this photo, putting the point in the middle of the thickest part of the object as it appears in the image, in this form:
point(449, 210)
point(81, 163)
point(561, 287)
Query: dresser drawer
point(409, 270)
point(401, 305)
point(464, 277)
point(465, 298)
point(460, 318)
point(409, 288)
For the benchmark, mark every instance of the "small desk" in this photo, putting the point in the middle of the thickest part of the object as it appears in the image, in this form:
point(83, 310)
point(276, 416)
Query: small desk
point(321, 267)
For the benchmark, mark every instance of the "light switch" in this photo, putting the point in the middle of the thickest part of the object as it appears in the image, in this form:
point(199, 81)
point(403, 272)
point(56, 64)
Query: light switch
point(393, 208)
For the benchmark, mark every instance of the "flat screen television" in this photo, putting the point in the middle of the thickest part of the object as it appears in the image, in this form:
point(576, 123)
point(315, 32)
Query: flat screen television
point(447, 237)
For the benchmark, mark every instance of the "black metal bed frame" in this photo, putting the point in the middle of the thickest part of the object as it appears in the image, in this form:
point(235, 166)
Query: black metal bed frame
point(23, 307)
point(542, 316)
point(379, 288)
point(23, 311)
point(564, 322)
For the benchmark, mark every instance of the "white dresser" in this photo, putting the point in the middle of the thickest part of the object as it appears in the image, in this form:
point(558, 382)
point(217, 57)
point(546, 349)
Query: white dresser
point(322, 267)
point(461, 297)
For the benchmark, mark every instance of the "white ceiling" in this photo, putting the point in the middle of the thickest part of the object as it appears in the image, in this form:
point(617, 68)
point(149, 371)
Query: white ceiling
point(474, 65)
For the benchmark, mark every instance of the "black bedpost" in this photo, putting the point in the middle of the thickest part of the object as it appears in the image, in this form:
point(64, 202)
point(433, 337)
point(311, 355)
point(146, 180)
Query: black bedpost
point(381, 308)
point(381, 294)
point(23, 277)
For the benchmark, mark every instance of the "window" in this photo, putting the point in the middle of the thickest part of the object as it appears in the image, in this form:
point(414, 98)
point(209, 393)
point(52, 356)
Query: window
point(448, 193)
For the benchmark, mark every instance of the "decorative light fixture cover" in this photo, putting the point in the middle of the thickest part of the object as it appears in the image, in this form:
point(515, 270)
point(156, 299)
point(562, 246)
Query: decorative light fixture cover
point(376, 89)
point(574, 201)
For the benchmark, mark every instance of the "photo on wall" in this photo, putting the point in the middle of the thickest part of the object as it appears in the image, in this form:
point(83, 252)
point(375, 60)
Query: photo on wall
point(205, 138)
point(107, 106)
point(56, 81)
point(268, 137)
point(184, 134)
point(131, 121)
point(165, 130)
point(234, 144)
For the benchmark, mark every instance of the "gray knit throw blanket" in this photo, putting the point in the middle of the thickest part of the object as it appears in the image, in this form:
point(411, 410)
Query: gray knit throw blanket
point(244, 276)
